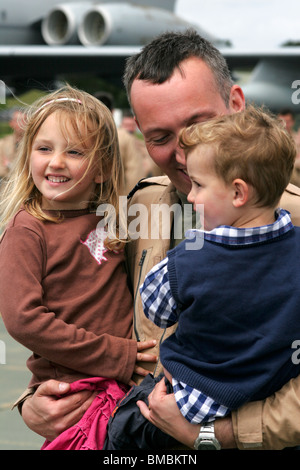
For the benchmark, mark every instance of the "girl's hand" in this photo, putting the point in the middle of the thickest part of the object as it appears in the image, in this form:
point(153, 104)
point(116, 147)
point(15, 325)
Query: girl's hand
point(144, 357)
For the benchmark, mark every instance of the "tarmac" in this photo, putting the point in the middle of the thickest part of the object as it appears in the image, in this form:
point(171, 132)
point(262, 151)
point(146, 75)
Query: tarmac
point(14, 378)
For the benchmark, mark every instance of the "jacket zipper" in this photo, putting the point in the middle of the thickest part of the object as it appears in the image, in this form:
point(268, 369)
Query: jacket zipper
point(141, 262)
point(160, 341)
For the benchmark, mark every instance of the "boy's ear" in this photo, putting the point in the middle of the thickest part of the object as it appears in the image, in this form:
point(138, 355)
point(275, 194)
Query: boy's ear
point(241, 192)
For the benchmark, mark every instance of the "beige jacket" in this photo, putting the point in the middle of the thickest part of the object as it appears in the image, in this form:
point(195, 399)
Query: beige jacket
point(143, 254)
point(271, 424)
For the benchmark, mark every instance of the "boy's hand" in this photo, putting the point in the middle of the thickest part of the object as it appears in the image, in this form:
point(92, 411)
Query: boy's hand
point(143, 357)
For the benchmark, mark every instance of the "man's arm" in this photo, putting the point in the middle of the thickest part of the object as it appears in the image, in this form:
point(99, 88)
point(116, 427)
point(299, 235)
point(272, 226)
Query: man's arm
point(272, 424)
point(48, 412)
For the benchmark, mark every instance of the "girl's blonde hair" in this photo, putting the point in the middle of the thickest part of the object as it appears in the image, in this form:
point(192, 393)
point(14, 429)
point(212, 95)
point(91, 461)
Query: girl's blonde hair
point(95, 128)
point(252, 145)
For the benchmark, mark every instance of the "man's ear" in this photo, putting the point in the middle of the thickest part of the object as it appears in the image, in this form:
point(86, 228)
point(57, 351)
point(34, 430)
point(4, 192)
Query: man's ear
point(241, 192)
point(236, 99)
point(137, 122)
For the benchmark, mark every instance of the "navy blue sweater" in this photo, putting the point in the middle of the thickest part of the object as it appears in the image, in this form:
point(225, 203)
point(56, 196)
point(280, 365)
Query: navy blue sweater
point(241, 313)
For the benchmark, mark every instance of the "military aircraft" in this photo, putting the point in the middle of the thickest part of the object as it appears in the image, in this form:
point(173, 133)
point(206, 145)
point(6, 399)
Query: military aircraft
point(42, 40)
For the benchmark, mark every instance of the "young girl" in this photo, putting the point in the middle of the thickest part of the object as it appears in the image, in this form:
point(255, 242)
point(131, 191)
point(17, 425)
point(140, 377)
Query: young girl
point(64, 291)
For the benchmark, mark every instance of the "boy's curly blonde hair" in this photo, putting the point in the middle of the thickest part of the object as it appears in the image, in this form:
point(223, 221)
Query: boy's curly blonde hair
point(252, 145)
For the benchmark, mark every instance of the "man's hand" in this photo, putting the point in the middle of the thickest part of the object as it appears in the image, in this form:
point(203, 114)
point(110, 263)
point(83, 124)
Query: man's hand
point(48, 415)
point(164, 413)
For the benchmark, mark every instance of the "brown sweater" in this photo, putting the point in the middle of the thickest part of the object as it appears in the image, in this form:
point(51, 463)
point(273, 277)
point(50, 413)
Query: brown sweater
point(66, 299)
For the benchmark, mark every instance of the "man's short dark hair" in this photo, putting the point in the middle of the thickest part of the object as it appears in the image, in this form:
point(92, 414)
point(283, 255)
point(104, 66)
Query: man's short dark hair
point(158, 60)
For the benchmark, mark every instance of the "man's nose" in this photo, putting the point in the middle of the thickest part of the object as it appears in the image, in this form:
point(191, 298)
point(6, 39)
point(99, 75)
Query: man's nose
point(180, 155)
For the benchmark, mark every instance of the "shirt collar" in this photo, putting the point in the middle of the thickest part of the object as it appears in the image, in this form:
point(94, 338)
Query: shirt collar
point(245, 236)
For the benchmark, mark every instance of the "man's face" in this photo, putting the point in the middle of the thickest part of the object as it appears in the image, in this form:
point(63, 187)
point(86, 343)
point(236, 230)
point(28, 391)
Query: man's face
point(163, 110)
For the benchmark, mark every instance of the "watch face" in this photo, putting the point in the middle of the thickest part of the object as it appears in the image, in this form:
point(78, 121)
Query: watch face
point(206, 439)
point(207, 446)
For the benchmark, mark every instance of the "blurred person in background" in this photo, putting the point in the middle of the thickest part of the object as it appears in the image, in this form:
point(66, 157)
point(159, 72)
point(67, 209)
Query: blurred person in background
point(9, 143)
point(288, 118)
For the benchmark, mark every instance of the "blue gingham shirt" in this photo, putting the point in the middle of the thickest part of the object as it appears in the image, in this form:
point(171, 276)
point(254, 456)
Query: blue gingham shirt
point(161, 308)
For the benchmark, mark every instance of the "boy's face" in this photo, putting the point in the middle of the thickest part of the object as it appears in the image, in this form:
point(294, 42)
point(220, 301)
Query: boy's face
point(209, 190)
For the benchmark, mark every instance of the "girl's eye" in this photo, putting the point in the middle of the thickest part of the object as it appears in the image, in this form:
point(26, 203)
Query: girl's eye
point(75, 153)
point(44, 149)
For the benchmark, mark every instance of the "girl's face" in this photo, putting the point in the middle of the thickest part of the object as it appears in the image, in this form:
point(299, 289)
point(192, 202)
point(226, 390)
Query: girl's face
point(58, 166)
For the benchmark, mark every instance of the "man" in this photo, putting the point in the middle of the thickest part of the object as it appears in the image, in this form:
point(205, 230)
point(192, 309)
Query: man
point(177, 80)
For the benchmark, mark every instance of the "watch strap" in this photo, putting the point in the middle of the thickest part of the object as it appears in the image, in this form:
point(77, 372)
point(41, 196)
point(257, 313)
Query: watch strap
point(206, 438)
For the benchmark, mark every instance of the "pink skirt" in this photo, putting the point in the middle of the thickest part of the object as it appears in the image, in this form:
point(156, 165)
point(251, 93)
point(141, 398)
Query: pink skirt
point(90, 432)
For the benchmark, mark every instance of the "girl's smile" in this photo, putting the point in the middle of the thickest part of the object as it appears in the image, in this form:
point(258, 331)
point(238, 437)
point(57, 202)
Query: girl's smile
point(57, 179)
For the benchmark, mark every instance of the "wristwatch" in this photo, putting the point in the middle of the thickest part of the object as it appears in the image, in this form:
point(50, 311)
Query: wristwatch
point(207, 439)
